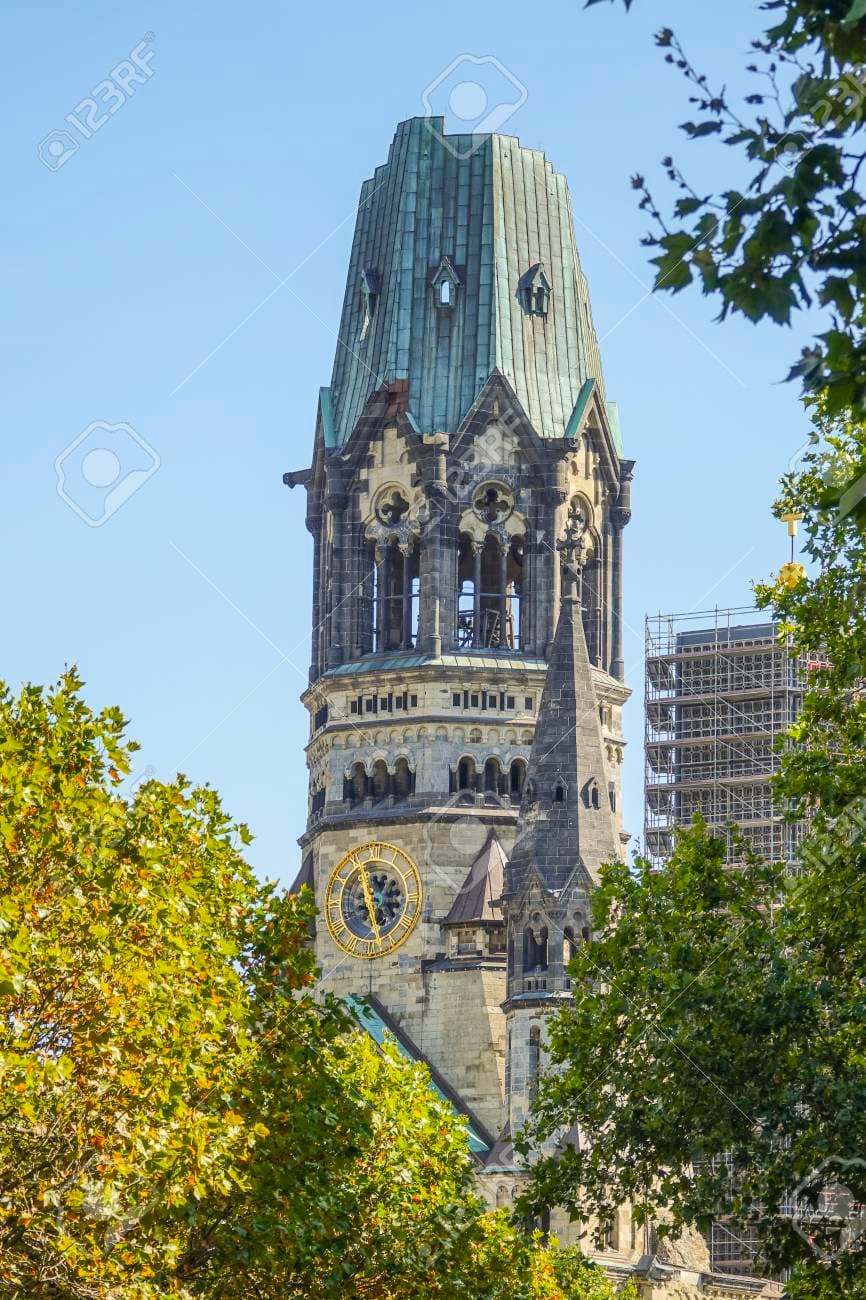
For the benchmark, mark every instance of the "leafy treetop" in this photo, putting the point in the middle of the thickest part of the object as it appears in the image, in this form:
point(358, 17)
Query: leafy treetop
point(795, 232)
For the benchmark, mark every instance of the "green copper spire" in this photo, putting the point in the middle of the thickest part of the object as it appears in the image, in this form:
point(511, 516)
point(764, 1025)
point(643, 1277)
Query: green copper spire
point(464, 261)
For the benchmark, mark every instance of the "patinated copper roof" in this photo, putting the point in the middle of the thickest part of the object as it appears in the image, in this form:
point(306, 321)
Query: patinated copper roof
point(498, 212)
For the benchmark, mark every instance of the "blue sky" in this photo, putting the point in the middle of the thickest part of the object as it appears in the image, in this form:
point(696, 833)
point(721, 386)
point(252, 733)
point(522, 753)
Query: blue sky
point(143, 287)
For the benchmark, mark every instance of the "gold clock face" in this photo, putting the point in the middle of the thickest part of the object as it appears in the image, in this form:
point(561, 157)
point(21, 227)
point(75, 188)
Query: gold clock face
point(373, 900)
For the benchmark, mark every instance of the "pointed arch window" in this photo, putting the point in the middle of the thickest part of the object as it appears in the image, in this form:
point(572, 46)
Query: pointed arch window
point(591, 796)
point(534, 291)
point(445, 284)
point(535, 946)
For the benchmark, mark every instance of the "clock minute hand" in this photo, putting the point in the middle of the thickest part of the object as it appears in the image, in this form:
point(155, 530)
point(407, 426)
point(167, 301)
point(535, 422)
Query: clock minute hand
point(368, 901)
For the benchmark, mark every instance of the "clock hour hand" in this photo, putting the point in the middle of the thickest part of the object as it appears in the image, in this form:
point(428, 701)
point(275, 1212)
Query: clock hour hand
point(369, 904)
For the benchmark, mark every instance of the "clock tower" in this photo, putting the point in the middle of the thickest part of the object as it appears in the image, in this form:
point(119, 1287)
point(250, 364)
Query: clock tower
point(465, 432)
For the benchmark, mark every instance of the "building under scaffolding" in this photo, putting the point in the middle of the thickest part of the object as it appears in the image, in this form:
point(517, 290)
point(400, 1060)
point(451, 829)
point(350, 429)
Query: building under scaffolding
point(720, 692)
point(721, 689)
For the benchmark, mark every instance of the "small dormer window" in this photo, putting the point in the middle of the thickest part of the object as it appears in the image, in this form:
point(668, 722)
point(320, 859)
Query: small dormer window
point(533, 290)
point(369, 299)
point(591, 795)
point(445, 284)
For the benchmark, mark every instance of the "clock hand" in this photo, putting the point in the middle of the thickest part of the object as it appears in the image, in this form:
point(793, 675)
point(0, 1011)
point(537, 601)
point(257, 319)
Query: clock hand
point(370, 905)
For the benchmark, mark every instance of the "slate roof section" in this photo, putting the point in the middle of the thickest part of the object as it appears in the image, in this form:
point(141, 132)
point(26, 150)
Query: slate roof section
point(495, 209)
point(553, 837)
point(479, 900)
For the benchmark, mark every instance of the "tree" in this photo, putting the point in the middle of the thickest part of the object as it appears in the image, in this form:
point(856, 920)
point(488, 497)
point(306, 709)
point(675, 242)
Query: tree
point(180, 1116)
point(134, 941)
point(793, 232)
point(714, 1061)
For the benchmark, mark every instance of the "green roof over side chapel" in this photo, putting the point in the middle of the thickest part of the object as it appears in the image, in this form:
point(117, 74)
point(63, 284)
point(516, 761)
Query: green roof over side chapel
point(495, 211)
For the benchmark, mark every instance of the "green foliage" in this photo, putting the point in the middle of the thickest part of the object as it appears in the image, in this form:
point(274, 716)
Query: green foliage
point(727, 1005)
point(791, 234)
point(180, 1117)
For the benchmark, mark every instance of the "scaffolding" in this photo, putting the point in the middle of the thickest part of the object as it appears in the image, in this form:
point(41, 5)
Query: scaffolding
point(721, 689)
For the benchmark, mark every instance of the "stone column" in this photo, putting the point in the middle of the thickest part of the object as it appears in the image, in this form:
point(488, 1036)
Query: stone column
point(434, 565)
point(619, 517)
point(335, 504)
point(383, 570)
point(407, 596)
point(314, 526)
point(503, 596)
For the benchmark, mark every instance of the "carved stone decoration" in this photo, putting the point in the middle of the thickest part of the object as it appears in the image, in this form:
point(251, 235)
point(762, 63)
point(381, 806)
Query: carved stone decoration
point(688, 1251)
point(493, 502)
point(493, 513)
point(396, 518)
point(391, 506)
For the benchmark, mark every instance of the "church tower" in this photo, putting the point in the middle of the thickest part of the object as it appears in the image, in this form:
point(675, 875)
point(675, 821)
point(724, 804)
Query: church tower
point(464, 435)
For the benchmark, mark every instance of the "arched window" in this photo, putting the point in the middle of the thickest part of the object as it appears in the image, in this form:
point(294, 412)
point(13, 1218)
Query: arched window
point(535, 946)
point(489, 591)
point(491, 776)
point(403, 779)
point(466, 774)
point(394, 599)
point(517, 777)
point(533, 289)
point(559, 792)
point(591, 583)
point(355, 787)
point(569, 945)
point(590, 794)
point(381, 780)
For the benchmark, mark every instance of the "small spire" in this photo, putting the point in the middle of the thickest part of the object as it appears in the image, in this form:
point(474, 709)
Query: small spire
point(566, 819)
